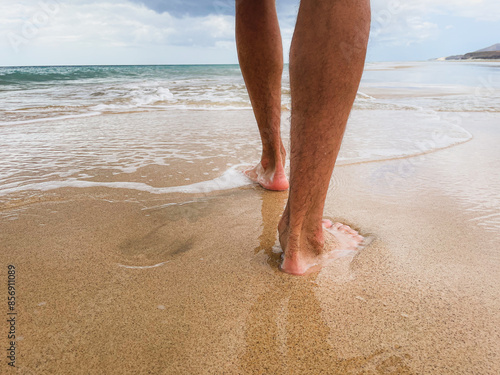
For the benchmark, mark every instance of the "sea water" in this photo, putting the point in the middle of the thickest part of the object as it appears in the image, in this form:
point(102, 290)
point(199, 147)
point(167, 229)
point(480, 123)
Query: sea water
point(58, 123)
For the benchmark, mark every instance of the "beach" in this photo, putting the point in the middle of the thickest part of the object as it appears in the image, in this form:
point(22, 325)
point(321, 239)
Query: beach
point(140, 247)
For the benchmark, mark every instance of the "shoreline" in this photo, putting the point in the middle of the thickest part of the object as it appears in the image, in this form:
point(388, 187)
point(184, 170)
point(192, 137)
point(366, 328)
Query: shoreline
point(205, 157)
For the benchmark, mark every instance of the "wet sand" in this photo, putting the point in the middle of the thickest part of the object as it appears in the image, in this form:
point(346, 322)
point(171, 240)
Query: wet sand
point(116, 281)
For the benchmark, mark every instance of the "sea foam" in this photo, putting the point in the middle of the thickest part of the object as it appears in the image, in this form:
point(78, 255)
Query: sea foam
point(230, 179)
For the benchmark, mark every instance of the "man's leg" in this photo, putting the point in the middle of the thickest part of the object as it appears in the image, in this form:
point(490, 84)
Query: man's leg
point(260, 53)
point(326, 63)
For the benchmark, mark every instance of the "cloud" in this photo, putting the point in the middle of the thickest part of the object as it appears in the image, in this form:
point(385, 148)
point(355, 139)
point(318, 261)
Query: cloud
point(482, 10)
point(63, 25)
point(192, 8)
point(108, 24)
point(406, 22)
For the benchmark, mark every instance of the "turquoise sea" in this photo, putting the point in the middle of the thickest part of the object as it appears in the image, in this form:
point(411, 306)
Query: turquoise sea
point(34, 93)
point(59, 124)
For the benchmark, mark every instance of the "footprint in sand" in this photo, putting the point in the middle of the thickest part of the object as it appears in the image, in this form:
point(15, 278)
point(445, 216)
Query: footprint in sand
point(163, 234)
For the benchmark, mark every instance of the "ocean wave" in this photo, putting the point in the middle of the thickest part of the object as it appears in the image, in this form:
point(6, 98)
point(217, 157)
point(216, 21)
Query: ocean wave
point(26, 75)
point(74, 153)
point(74, 91)
point(40, 74)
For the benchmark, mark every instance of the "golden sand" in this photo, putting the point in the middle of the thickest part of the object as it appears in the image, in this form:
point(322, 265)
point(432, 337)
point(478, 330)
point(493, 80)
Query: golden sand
point(114, 281)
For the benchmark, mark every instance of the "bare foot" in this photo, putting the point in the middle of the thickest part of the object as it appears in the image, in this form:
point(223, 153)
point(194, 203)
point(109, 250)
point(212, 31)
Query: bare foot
point(270, 174)
point(268, 178)
point(335, 241)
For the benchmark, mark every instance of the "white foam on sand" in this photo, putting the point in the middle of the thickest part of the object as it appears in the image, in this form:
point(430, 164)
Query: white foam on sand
point(383, 134)
point(142, 267)
point(67, 153)
point(230, 179)
point(44, 119)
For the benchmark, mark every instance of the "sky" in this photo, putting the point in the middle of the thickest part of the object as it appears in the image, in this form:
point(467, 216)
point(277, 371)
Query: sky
point(118, 32)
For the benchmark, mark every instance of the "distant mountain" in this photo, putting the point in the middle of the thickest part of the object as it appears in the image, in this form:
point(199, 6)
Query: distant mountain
point(494, 47)
point(488, 53)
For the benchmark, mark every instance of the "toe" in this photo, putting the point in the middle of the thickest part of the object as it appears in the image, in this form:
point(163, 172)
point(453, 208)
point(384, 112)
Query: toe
point(345, 229)
point(327, 223)
point(354, 244)
point(337, 225)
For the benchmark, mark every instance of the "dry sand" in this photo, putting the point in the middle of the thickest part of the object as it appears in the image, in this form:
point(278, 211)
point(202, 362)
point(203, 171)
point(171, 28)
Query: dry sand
point(421, 299)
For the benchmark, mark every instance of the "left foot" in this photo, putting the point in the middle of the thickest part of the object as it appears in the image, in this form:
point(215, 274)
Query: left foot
point(270, 174)
point(268, 178)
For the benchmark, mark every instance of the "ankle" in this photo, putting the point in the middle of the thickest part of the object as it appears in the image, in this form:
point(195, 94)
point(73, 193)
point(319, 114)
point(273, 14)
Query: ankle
point(269, 161)
point(272, 157)
point(312, 239)
point(301, 237)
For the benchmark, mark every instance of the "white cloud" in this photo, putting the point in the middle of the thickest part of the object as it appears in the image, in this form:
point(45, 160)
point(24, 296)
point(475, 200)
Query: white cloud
point(106, 24)
point(482, 10)
point(478, 9)
point(406, 22)
point(28, 26)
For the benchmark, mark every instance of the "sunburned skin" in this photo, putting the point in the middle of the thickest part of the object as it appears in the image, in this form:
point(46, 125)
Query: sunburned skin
point(339, 240)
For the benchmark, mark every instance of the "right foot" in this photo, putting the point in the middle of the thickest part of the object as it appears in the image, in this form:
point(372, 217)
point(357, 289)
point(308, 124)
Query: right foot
point(335, 241)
